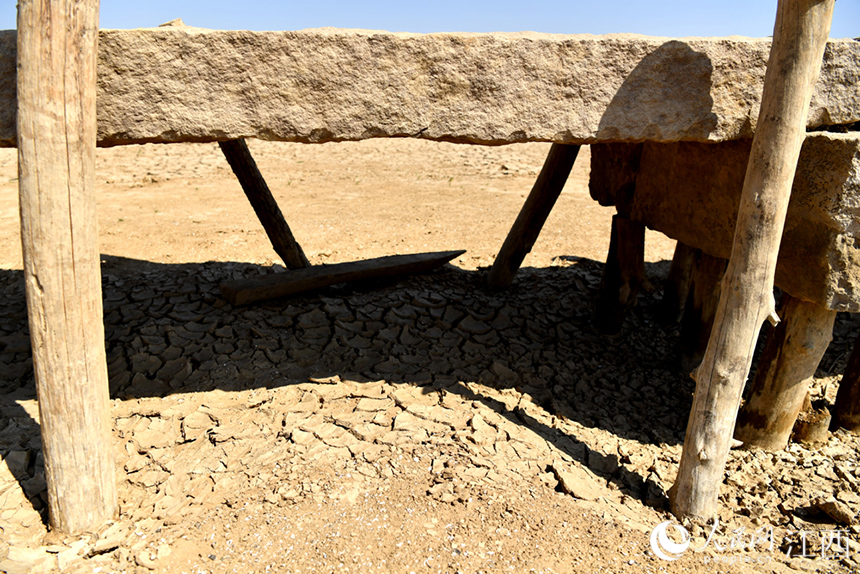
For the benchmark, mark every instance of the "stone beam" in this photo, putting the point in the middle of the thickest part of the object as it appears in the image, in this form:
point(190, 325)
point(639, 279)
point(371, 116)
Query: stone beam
point(174, 84)
point(690, 192)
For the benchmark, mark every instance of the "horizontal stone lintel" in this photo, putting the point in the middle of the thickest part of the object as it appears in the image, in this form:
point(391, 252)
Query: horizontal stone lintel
point(175, 84)
point(691, 192)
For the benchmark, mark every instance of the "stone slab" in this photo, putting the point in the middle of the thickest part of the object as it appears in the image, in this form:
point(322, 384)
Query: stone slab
point(691, 191)
point(174, 84)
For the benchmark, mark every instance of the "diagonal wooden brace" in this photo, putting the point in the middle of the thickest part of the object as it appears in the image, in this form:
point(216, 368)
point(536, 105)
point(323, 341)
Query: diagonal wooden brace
point(536, 209)
point(239, 157)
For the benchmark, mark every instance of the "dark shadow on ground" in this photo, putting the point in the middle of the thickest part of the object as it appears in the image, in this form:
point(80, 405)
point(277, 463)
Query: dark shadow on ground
point(169, 331)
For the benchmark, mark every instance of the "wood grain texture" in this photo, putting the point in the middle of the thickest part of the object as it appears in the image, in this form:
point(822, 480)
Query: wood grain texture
point(57, 47)
point(747, 297)
point(522, 236)
point(791, 355)
point(243, 165)
point(265, 287)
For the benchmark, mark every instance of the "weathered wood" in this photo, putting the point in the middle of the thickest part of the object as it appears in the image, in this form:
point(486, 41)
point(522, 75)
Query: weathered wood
point(701, 308)
point(265, 287)
point(846, 411)
point(747, 298)
point(677, 284)
point(791, 355)
point(812, 426)
point(536, 209)
point(623, 275)
point(56, 159)
point(242, 162)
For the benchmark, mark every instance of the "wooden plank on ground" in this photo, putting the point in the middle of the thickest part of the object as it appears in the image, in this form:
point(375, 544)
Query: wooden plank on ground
point(265, 287)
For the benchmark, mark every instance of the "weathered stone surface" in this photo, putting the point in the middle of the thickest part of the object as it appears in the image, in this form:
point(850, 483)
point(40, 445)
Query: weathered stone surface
point(839, 512)
point(189, 84)
point(690, 192)
point(577, 482)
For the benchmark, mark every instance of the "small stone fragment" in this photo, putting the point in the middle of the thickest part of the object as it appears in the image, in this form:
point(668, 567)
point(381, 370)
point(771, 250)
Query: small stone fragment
point(836, 510)
point(576, 481)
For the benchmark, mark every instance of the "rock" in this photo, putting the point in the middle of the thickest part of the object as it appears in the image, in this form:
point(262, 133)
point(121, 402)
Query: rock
point(159, 434)
point(150, 477)
point(455, 418)
point(144, 363)
point(176, 370)
point(577, 482)
point(683, 188)
point(473, 326)
point(26, 560)
point(483, 434)
point(369, 432)
point(408, 395)
point(836, 510)
point(143, 558)
point(406, 421)
point(602, 463)
point(374, 405)
point(503, 88)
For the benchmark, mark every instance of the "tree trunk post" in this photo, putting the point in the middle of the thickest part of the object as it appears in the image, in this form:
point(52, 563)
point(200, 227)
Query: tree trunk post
point(799, 38)
point(791, 354)
point(57, 55)
point(677, 284)
point(846, 411)
point(701, 308)
point(243, 165)
point(522, 236)
point(623, 275)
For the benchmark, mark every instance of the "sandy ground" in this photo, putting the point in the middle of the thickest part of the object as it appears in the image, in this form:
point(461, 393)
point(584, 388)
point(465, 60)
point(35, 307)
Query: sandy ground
point(422, 425)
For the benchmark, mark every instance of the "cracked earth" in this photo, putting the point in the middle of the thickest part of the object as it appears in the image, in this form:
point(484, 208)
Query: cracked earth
point(419, 425)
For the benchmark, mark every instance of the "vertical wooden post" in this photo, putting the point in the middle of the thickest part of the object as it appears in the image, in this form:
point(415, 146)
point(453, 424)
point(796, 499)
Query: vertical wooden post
point(623, 275)
point(522, 236)
point(701, 308)
point(243, 165)
point(846, 411)
point(799, 38)
point(677, 284)
point(791, 354)
point(57, 54)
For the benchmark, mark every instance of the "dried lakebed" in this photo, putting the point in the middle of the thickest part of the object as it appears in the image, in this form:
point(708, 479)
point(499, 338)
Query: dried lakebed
point(425, 424)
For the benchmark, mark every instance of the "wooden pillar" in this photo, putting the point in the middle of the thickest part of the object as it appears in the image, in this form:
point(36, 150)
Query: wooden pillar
point(623, 275)
point(242, 162)
point(799, 38)
point(57, 53)
point(701, 307)
point(846, 411)
point(522, 236)
point(677, 284)
point(791, 355)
